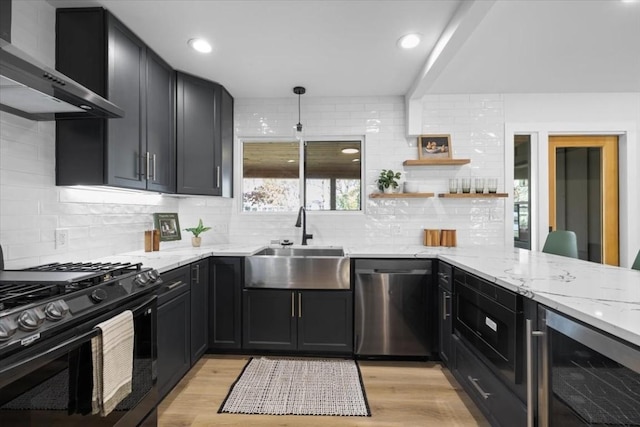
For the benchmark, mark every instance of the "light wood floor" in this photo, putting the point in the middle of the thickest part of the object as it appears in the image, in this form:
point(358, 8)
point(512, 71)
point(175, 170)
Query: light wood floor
point(399, 394)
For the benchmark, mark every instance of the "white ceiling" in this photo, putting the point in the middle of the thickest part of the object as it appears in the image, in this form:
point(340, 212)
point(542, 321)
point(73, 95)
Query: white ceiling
point(263, 48)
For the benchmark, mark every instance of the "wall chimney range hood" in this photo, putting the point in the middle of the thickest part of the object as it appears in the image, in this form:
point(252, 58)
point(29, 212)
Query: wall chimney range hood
point(34, 91)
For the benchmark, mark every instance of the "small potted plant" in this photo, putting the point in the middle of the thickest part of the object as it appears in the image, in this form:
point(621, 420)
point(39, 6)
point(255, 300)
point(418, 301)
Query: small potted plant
point(388, 181)
point(196, 239)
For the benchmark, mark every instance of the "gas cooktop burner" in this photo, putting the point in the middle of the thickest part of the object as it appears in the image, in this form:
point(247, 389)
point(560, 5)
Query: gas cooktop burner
point(78, 267)
point(42, 301)
point(18, 288)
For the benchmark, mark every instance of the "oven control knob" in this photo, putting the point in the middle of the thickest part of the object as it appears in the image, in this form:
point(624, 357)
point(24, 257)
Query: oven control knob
point(56, 310)
point(30, 320)
point(154, 275)
point(142, 279)
point(7, 328)
point(98, 295)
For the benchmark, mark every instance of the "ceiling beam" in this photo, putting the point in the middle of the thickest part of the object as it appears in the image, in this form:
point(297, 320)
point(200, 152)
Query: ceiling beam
point(463, 23)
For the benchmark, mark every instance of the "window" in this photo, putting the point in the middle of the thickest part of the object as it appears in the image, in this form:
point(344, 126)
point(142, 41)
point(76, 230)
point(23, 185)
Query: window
point(329, 178)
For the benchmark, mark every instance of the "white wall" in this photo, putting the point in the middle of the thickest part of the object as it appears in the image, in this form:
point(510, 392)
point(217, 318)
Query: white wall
point(476, 126)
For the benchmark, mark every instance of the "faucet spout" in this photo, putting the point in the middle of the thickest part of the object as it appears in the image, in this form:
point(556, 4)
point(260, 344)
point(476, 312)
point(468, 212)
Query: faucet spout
point(302, 221)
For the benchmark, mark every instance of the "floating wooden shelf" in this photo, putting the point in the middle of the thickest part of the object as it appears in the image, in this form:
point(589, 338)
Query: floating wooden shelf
point(436, 162)
point(472, 195)
point(401, 195)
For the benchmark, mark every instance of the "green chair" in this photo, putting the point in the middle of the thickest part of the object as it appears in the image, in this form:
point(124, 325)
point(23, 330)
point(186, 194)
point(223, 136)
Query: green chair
point(636, 263)
point(561, 242)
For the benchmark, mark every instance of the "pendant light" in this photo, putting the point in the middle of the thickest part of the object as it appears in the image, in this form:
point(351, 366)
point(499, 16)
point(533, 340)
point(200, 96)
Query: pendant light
point(299, 90)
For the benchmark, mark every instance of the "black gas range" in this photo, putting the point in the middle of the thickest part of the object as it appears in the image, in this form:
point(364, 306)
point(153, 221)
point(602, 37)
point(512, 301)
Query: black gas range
point(38, 302)
point(49, 317)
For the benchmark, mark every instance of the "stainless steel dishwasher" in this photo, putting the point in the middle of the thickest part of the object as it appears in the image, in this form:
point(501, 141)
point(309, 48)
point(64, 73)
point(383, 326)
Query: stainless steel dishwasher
point(393, 308)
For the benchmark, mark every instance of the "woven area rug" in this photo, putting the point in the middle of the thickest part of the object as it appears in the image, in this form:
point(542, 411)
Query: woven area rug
point(277, 386)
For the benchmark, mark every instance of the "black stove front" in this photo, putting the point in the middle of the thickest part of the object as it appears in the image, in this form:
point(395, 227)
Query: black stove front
point(48, 316)
point(41, 302)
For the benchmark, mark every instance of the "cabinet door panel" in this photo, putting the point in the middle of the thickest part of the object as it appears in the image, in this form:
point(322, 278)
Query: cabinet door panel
point(161, 139)
point(269, 321)
point(127, 57)
point(199, 309)
point(225, 303)
point(174, 355)
point(197, 172)
point(325, 321)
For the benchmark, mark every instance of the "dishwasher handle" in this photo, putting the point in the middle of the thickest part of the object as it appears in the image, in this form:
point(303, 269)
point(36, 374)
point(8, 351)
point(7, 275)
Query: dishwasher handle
point(421, 272)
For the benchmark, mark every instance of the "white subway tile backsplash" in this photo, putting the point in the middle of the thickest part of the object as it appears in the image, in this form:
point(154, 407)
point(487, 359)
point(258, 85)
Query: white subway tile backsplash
point(102, 223)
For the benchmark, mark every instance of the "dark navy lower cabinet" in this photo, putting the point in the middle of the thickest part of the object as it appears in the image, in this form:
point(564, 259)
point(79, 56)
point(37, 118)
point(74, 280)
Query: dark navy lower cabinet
point(269, 321)
point(306, 321)
point(225, 304)
point(325, 321)
point(499, 404)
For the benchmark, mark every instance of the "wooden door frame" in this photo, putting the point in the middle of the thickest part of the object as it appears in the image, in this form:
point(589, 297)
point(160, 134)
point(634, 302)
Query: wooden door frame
point(610, 192)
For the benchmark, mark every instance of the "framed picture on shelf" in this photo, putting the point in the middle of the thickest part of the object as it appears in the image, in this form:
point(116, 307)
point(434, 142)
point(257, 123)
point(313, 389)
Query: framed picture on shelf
point(168, 225)
point(434, 147)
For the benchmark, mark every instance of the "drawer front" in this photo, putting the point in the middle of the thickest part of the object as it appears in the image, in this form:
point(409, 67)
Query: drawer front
point(175, 283)
point(498, 403)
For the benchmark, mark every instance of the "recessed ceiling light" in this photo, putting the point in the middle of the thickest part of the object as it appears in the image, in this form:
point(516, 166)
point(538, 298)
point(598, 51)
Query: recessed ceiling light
point(291, 161)
point(409, 41)
point(201, 45)
point(355, 160)
point(350, 150)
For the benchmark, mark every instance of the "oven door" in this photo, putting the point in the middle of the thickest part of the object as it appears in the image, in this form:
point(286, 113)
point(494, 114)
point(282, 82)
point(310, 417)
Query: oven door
point(46, 384)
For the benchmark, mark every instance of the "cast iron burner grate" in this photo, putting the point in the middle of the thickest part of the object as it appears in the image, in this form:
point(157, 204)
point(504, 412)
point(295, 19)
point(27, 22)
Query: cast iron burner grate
point(114, 268)
point(17, 295)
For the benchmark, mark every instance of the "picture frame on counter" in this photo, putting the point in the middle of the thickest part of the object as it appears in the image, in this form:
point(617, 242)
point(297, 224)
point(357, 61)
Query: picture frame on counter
point(434, 146)
point(169, 226)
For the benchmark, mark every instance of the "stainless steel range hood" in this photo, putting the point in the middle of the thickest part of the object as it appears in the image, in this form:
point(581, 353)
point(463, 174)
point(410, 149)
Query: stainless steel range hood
point(32, 90)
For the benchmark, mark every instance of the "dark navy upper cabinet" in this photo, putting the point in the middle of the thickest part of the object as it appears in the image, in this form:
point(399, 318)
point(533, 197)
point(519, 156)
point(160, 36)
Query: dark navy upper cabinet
point(138, 150)
point(5, 21)
point(204, 137)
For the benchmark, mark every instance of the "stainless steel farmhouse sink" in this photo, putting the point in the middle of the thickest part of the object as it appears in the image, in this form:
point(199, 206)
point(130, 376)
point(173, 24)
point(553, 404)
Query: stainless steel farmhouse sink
point(298, 268)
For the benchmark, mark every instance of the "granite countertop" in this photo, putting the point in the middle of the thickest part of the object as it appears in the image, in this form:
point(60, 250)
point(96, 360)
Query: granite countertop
point(605, 297)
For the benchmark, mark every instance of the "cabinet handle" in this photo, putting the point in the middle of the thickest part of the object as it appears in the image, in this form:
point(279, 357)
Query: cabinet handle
point(445, 297)
point(174, 285)
point(530, 335)
point(299, 304)
point(443, 276)
point(474, 382)
point(148, 158)
point(197, 269)
point(217, 176)
point(293, 304)
point(153, 177)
